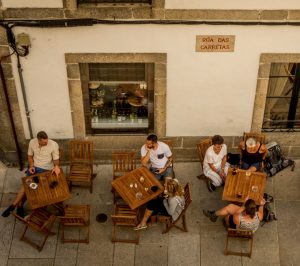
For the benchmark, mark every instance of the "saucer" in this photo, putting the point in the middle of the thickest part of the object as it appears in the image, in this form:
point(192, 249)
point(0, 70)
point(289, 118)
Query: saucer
point(33, 186)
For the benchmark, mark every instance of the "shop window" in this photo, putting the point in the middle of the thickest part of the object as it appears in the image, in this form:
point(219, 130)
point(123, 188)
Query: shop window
point(79, 2)
point(282, 109)
point(118, 97)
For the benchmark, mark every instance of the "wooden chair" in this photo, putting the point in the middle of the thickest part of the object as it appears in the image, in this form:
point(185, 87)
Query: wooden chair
point(75, 216)
point(41, 221)
point(124, 216)
point(168, 220)
point(81, 163)
point(258, 136)
point(122, 163)
point(201, 149)
point(239, 234)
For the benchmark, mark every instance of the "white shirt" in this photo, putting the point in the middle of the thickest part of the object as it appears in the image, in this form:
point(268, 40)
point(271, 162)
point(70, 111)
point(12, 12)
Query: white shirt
point(158, 157)
point(212, 158)
point(43, 156)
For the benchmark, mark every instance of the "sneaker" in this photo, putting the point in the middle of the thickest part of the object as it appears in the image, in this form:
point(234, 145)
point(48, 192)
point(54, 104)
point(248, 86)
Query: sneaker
point(211, 215)
point(7, 212)
point(20, 211)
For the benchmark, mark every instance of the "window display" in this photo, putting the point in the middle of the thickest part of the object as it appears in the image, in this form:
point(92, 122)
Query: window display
point(115, 105)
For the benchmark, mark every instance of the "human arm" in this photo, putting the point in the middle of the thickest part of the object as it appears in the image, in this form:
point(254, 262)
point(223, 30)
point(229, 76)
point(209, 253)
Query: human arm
point(263, 149)
point(145, 155)
point(30, 164)
point(55, 158)
point(261, 209)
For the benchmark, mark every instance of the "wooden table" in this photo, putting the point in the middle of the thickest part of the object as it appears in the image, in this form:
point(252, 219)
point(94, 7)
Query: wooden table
point(44, 195)
point(140, 181)
point(244, 183)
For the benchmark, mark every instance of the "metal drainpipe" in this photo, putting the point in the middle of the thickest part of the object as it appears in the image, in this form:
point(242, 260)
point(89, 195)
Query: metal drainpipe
point(24, 96)
point(19, 152)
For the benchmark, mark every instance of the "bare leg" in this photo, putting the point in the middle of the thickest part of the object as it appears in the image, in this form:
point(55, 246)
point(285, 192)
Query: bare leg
point(19, 198)
point(146, 216)
point(229, 210)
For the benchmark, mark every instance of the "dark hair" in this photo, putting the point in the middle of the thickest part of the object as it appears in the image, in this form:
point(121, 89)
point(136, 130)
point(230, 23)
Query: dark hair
point(217, 139)
point(250, 207)
point(42, 135)
point(152, 137)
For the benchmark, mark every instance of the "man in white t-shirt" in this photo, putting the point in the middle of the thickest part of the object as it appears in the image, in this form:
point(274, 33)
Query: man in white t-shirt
point(215, 165)
point(43, 155)
point(159, 155)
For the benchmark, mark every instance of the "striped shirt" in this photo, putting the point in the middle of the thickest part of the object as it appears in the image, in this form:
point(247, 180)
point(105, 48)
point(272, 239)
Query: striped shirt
point(245, 225)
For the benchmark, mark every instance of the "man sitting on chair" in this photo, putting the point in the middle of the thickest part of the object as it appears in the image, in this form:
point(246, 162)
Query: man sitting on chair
point(43, 155)
point(160, 157)
point(215, 165)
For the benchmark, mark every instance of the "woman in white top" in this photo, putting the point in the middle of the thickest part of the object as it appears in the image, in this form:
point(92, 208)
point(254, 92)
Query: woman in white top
point(172, 205)
point(215, 165)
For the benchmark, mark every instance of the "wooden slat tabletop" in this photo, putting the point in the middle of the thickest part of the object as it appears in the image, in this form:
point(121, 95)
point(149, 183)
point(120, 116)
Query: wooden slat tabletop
point(244, 183)
point(140, 181)
point(44, 195)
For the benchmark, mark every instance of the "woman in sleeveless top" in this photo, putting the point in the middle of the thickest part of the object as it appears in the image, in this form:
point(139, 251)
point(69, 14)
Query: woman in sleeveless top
point(244, 217)
point(253, 153)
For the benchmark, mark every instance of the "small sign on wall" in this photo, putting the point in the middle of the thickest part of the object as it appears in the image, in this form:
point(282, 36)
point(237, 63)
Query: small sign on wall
point(215, 43)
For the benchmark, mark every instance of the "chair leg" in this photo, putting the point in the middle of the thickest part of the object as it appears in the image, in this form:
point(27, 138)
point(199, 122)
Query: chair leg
point(91, 186)
point(184, 223)
point(70, 186)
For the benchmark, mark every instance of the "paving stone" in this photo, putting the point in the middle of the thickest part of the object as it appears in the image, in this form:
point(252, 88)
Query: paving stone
point(29, 262)
point(184, 249)
point(7, 199)
point(6, 236)
point(124, 254)
point(13, 180)
point(212, 247)
point(288, 231)
point(20, 249)
point(151, 254)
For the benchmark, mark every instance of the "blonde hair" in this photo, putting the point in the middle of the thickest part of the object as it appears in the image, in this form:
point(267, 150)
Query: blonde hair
point(173, 188)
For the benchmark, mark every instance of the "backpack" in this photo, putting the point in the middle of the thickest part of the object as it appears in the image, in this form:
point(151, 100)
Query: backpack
point(269, 215)
point(233, 159)
point(276, 160)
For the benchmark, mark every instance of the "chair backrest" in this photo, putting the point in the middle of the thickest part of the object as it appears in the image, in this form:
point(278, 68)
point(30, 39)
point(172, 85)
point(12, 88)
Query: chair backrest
point(76, 221)
point(123, 162)
point(201, 149)
point(258, 136)
point(125, 220)
point(240, 233)
point(81, 151)
point(39, 220)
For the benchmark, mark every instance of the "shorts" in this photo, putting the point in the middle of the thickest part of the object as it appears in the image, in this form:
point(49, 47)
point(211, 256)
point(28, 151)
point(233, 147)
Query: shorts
point(246, 166)
point(232, 225)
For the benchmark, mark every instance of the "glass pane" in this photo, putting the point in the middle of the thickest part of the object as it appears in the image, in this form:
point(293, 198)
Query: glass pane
point(276, 113)
point(116, 105)
point(112, 1)
point(282, 69)
point(280, 87)
point(117, 71)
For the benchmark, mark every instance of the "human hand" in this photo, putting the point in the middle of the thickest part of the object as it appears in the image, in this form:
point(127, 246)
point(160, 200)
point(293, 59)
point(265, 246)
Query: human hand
point(262, 202)
point(31, 170)
point(159, 171)
point(56, 170)
point(247, 198)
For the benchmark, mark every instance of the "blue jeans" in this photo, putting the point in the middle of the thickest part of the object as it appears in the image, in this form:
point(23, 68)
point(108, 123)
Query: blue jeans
point(162, 176)
point(37, 171)
point(246, 166)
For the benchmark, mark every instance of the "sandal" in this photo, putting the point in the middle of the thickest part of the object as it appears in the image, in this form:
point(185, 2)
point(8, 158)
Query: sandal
point(140, 227)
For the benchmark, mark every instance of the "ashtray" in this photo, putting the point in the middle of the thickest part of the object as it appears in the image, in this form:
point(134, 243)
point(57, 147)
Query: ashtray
point(33, 185)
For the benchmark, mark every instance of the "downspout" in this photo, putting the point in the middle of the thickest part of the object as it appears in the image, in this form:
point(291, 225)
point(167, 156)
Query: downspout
point(19, 152)
point(24, 96)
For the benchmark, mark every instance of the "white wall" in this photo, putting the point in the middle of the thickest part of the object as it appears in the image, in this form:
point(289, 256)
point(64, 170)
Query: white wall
point(232, 4)
point(207, 93)
point(32, 3)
